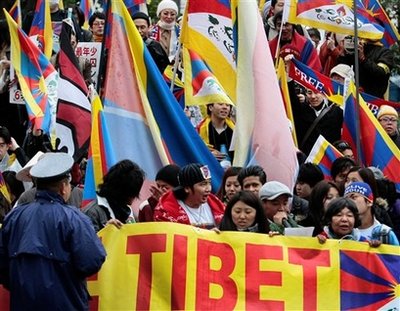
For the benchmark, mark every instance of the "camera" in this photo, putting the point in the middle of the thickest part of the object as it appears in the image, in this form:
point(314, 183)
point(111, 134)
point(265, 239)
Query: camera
point(348, 43)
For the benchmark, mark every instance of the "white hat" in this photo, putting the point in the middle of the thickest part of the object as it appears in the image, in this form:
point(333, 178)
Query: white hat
point(53, 166)
point(343, 70)
point(273, 189)
point(167, 4)
point(386, 110)
point(23, 174)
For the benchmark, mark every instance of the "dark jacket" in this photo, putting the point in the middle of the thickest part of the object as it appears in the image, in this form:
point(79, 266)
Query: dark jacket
point(157, 53)
point(329, 126)
point(49, 248)
point(374, 70)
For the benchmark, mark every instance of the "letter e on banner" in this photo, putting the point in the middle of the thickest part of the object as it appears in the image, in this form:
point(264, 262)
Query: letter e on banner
point(256, 278)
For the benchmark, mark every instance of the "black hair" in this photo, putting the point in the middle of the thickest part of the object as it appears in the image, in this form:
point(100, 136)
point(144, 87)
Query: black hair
point(252, 170)
point(95, 15)
point(180, 193)
point(314, 32)
point(141, 15)
point(4, 34)
point(387, 190)
point(80, 14)
point(169, 174)
point(231, 171)
point(249, 198)
point(337, 205)
point(341, 164)
point(316, 203)
point(212, 104)
point(342, 145)
point(122, 183)
point(5, 134)
point(310, 173)
point(15, 186)
point(278, 16)
point(120, 186)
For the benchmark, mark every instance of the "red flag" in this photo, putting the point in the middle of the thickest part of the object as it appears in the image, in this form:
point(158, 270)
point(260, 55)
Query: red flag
point(73, 113)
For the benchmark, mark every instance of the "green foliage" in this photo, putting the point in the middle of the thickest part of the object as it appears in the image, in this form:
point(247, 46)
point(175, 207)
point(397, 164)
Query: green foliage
point(152, 8)
point(69, 3)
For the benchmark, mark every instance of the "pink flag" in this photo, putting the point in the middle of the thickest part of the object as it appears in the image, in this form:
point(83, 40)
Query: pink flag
point(262, 130)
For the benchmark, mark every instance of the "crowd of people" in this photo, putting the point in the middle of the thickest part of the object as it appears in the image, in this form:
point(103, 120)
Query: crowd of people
point(47, 234)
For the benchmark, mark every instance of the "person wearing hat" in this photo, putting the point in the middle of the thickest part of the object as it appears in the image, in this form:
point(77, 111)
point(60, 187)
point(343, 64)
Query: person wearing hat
point(48, 248)
point(160, 57)
point(192, 202)
point(166, 180)
point(166, 31)
point(275, 199)
point(370, 228)
point(28, 196)
point(121, 186)
point(388, 117)
point(341, 72)
point(375, 64)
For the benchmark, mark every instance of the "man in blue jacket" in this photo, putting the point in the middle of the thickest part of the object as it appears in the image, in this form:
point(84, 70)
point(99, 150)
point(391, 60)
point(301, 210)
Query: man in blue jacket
point(48, 248)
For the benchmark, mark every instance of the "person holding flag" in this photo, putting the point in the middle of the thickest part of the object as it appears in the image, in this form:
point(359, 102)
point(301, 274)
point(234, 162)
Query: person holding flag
point(375, 62)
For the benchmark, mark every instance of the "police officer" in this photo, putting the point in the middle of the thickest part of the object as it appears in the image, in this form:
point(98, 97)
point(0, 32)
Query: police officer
point(48, 248)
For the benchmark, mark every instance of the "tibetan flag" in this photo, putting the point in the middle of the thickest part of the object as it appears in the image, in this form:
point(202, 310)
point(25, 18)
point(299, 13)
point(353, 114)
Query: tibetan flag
point(134, 6)
point(15, 12)
point(207, 29)
point(101, 155)
point(323, 154)
point(377, 148)
point(201, 86)
point(369, 281)
point(377, 14)
point(333, 15)
point(87, 8)
point(178, 89)
point(283, 84)
point(3, 189)
point(130, 127)
point(333, 90)
point(41, 27)
point(37, 78)
point(146, 124)
point(73, 111)
point(262, 131)
point(316, 81)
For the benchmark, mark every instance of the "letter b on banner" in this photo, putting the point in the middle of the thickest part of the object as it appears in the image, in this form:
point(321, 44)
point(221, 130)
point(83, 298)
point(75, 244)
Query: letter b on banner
point(223, 257)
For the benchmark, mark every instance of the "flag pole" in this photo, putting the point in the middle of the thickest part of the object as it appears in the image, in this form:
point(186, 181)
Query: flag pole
point(171, 87)
point(19, 9)
point(103, 54)
point(357, 83)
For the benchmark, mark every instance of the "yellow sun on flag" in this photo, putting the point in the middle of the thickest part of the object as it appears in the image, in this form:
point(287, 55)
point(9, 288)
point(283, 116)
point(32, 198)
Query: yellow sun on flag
point(397, 291)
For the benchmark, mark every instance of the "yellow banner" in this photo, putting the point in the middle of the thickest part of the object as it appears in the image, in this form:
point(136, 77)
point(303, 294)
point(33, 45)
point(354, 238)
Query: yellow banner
point(164, 266)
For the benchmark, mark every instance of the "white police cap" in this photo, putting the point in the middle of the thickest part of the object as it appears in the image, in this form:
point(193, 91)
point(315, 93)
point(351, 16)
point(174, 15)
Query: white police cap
point(52, 166)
